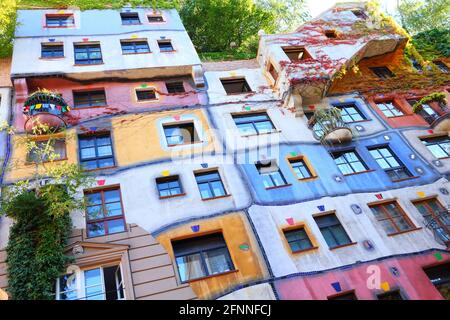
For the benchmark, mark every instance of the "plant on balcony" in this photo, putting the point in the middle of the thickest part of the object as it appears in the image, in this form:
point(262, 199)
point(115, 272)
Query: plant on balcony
point(325, 122)
point(439, 97)
point(45, 100)
point(41, 222)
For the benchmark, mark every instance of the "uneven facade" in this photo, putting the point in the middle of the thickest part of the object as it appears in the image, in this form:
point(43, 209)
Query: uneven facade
point(316, 171)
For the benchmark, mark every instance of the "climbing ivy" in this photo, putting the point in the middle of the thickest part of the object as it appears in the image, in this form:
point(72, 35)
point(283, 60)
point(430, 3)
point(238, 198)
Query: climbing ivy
point(433, 97)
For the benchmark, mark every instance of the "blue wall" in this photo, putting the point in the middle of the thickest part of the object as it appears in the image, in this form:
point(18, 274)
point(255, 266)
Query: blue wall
point(326, 169)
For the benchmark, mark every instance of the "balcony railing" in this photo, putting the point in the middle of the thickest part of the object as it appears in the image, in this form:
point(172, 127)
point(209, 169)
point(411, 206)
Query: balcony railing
point(329, 127)
point(45, 108)
point(439, 224)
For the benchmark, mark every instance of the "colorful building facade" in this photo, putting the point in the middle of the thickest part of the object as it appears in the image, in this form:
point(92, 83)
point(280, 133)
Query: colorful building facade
point(316, 171)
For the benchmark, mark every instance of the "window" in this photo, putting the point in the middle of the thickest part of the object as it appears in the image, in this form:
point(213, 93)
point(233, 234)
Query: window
point(130, 18)
point(253, 123)
point(416, 64)
point(52, 51)
point(59, 21)
point(96, 152)
point(270, 174)
point(348, 162)
point(440, 278)
point(175, 87)
point(104, 212)
point(359, 13)
point(169, 186)
point(390, 295)
point(332, 231)
point(83, 99)
point(202, 256)
point(391, 217)
point(300, 168)
point(442, 66)
point(438, 146)
point(235, 86)
point(165, 45)
point(179, 134)
point(155, 18)
point(145, 95)
point(210, 184)
point(350, 113)
point(390, 164)
point(88, 54)
point(130, 47)
point(330, 34)
point(298, 239)
point(273, 72)
point(296, 53)
point(389, 109)
point(103, 283)
point(382, 72)
point(344, 296)
point(426, 111)
point(437, 218)
point(47, 151)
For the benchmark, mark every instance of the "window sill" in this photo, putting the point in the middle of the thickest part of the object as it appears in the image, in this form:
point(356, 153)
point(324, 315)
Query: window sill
point(51, 58)
point(184, 144)
point(106, 235)
point(443, 158)
point(212, 276)
point(99, 169)
point(241, 93)
point(307, 179)
point(279, 187)
point(174, 196)
point(359, 121)
point(59, 27)
point(260, 134)
point(403, 232)
point(405, 179)
point(305, 250)
point(344, 245)
point(134, 53)
point(355, 173)
point(132, 24)
point(168, 51)
point(27, 163)
point(87, 65)
point(220, 197)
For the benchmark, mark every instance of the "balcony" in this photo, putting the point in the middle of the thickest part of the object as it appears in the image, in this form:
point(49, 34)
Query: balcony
point(329, 127)
point(44, 109)
point(440, 122)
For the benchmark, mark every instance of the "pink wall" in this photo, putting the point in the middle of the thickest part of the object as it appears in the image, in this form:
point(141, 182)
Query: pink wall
point(120, 97)
point(412, 281)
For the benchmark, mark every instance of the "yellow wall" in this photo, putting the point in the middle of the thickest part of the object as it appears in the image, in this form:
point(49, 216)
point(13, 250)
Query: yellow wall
point(236, 231)
point(136, 138)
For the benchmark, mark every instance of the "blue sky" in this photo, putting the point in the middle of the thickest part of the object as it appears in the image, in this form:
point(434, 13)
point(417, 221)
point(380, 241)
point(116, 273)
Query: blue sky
point(318, 6)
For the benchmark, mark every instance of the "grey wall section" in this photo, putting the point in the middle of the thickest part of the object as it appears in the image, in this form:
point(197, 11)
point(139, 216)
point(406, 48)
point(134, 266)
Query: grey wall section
point(152, 271)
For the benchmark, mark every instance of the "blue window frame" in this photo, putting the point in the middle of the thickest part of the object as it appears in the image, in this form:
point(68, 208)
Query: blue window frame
point(389, 162)
point(52, 51)
point(55, 21)
point(210, 184)
point(88, 54)
point(131, 47)
point(129, 18)
point(85, 99)
point(96, 152)
point(348, 162)
point(270, 174)
point(300, 168)
point(350, 113)
point(332, 230)
point(202, 257)
point(165, 45)
point(253, 123)
point(438, 146)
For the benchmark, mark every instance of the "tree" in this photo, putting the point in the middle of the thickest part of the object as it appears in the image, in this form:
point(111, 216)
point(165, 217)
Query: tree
point(419, 16)
point(219, 25)
point(290, 14)
point(7, 26)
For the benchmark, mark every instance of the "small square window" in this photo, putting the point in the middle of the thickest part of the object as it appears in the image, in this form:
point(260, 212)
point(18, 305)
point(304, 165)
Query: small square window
point(270, 174)
point(155, 18)
point(96, 151)
point(210, 184)
point(52, 50)
point(253, 123)
point(129, 18)
point(331, 34)
point(169, 186)
point(88, 53)
point(85, 99)
point(296, 53)
point(300, 168)
point(298, 239)
point(442, 66)
point(273, 72)
point(438, 146)
point(175, 87)
point(350, 113)
point(134, 46)
point(180, 134)
point(382, 72)
point(165, 45)
point(332, 230)
point(235, 86)
point(145, 95)
point(45, 151)
point(59, 21)
point(359, 13)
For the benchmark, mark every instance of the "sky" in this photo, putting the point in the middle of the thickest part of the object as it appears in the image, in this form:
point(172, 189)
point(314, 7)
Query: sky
point(318, 6)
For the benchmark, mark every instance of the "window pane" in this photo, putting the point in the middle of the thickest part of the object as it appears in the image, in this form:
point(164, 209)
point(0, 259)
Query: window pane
point(112, 196)
point(340, 235)
point(217, 261)
point(328, 236)
point(95, 212)
point(205, 191)
point(190, 267)
point(217, 188)
point(104, 163)
point(113, 209)
point(96, 229)
point(116, 226)
point(88, 153)
point(247, 128)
